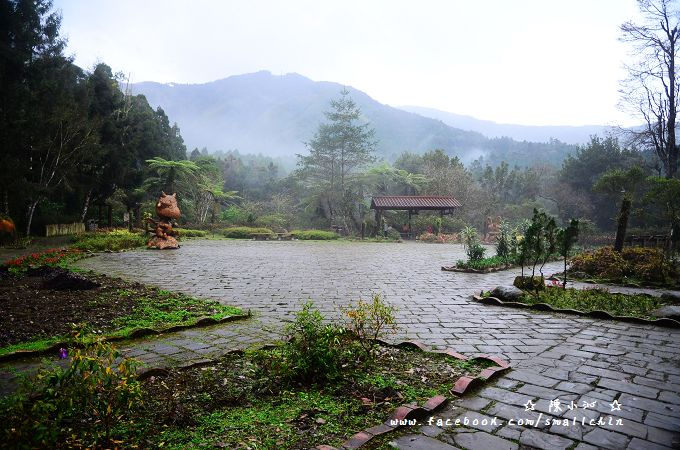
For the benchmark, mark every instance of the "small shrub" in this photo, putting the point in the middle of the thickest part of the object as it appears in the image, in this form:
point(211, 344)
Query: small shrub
point(370, 321)
point(315, 352)
point(93, 393)
point(475, 252)
point(314, 235)
point(484, 263)
point(245, 232)
point(115, 240)
point(439, 239)
point(639, 263)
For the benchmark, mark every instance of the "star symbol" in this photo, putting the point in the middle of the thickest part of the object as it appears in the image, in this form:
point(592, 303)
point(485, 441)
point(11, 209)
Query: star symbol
point(616, 406)
point(529, 406)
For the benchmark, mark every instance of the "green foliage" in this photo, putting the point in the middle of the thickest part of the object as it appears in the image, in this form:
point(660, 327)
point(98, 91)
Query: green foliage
point(503, 241)
point(484, 263)
point(370, 321)
point(314, 235)
point(472, 244)
point(115, 240)
point(316, 352)
point(273, 221)
point(187, 232)
point(246, 232)
point(597, 300)
point(97, 390)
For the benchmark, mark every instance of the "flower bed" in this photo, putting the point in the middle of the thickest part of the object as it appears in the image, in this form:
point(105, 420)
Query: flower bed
point(55, 257)
point(439, 238)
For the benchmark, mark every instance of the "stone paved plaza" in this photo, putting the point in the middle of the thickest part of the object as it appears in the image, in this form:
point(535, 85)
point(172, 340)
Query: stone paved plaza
point(573, 359)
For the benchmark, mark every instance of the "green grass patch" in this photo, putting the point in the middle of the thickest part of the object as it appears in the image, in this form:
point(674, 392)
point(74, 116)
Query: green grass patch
point(37, 345)
point(314, 235)
point(116, 240)
point(166, 309)
point(492, 262)
point(598, 299)
point(246, 232)
point(189, 233)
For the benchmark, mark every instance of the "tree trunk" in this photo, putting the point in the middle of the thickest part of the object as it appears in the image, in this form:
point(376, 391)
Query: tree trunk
point(129, 211)
point(138, 216)
point(87, 205)
point(29, 216)
point(5, 201)
point(622, 224)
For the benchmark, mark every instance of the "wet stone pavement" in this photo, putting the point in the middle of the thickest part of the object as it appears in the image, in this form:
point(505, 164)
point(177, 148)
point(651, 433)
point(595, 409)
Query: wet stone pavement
point(618, 384)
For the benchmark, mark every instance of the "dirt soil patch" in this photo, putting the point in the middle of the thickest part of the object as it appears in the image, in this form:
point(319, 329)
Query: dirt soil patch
point(32, 312)
point(235, 403)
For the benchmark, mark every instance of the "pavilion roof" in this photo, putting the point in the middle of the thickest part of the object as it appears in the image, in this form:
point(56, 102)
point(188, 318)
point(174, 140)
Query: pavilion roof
point(415, 202)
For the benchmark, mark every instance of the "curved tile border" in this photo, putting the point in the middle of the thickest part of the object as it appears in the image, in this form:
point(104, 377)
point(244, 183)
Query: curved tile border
point(411, 411)
point(596, 314)
point(488, 270)
point(137, 333)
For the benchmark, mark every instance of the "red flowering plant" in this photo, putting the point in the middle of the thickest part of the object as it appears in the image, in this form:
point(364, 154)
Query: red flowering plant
point(54, 257)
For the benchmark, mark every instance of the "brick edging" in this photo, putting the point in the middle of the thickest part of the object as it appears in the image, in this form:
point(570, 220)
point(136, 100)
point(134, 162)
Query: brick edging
point(137, 333)
point(410, 411)
point(596, 314)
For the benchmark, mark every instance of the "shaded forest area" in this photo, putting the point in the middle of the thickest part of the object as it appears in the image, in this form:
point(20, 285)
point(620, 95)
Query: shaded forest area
point(75, 140)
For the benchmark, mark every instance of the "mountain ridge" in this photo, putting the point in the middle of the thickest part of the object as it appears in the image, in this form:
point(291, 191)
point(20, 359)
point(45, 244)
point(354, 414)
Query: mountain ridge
point(275, 114)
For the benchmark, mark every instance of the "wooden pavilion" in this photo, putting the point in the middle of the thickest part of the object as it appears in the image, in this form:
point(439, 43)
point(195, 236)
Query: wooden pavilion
point(414, 204)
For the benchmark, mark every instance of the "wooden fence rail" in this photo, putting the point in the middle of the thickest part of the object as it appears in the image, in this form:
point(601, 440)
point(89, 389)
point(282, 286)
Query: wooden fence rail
point(61, 229)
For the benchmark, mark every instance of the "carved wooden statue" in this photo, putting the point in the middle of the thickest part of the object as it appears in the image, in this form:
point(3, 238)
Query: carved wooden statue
point(167, 211)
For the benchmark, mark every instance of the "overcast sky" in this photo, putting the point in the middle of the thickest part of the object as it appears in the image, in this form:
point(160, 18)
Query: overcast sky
point(542, 62)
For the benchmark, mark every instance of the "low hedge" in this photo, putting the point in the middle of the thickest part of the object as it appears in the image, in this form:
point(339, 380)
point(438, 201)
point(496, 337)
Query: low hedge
point(115, 240)
point(188, 232)
point(631, 264)
point(314, 235)
point(246, 232)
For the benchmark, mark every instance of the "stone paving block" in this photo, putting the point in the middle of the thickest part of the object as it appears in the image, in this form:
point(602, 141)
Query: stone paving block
point(483, 441)
point(419, 442)
point(666, 409)
point(472, 419)
point(639, 444)
point(662, 421)
point(630, 388)
point(606, 439)
point(504, 396)
point(576, 388)
point(537, 439)
point(475, 403)
point(529, 377)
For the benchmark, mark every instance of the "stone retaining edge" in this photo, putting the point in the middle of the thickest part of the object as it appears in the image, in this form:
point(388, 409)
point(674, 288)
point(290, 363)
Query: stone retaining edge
point(137, 333)
point(597, 314)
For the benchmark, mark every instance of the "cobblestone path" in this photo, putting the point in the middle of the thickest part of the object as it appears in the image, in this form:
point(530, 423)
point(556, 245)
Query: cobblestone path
point(554, 356)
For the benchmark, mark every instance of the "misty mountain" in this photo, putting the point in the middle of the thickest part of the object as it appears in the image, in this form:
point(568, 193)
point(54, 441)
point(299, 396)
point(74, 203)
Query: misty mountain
point(568, 134)
point(274, 115)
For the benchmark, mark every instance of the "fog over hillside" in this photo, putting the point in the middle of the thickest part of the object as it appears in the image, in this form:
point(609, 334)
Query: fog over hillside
point(567, 134)
point(275, 114)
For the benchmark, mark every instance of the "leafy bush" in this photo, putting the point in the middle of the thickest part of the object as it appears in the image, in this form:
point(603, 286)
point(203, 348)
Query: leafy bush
point(439, 239)
point(115, 240)
point(315, 352)
point(234, 215)
point(93, 393)
point(273, 221)
point(314, 235)
point(472, 244)
point(637, 263)
point(370, 321)
point(188, 232)
point(245, 232)
point(503, 241)
point(54, 257)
